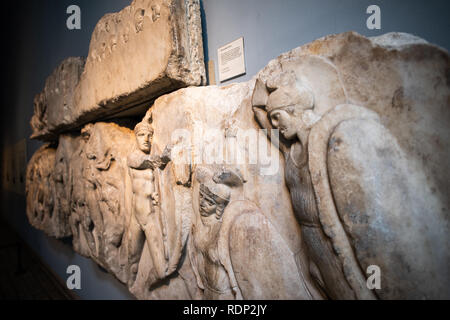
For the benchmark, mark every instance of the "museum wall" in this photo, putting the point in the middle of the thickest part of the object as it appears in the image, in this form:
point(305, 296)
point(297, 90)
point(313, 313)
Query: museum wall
point(271, 27)
point(39, 41)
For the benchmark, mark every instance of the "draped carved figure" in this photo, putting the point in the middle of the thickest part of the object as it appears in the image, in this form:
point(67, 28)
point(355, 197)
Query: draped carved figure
point(235, 251)
point(352, 185)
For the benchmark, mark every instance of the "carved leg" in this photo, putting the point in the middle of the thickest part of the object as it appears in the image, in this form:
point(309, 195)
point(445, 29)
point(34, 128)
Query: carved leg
point(155, 242)
point(135, 244)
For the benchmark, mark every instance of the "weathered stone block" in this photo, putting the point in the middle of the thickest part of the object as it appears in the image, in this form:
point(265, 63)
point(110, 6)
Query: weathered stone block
point(147, 49)
point(54, 105)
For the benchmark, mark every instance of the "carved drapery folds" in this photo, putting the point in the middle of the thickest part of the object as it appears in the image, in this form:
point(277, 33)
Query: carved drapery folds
point(204, 199)
point(365, 143)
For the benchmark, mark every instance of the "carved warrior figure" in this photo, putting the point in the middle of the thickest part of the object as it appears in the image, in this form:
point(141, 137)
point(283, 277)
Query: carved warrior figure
point(234, 250)
point(338, 160)
point(293, 108)
point(147, 224)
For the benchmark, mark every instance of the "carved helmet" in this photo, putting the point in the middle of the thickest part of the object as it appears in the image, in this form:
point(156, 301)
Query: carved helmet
point(219, 189)
point(145, 124)
point(307, 82)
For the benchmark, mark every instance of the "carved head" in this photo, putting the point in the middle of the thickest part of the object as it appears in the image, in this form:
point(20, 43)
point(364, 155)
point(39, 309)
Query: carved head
point(215, 194)
point(286, 100)
point(298, 94)
point(213, 199)
point(144, 132)
point(144, 135)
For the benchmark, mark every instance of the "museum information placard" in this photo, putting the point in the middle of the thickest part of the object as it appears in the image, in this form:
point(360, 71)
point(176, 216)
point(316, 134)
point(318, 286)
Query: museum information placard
point(231, 60)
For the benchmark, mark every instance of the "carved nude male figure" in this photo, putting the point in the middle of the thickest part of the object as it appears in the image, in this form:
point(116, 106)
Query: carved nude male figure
point(147, 224)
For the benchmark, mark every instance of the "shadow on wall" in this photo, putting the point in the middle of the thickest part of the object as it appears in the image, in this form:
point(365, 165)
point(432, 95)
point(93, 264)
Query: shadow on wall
point(35, 46)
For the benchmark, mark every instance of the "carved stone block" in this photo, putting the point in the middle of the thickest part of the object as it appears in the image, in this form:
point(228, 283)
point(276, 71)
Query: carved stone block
point(54, 105)
point(149, 48)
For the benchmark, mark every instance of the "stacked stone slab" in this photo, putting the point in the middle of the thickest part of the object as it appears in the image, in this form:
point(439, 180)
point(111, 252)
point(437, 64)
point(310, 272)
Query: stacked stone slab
point(147, 49)
point(54, 105)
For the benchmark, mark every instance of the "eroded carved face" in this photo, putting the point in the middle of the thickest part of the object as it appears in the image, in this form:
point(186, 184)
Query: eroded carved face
point(207, 206)
point(144, 140)
point(285, 122)
point(213, 199)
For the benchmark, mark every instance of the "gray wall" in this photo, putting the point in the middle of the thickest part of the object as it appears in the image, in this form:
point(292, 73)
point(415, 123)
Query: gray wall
point(39, 40)
point(271, 27)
